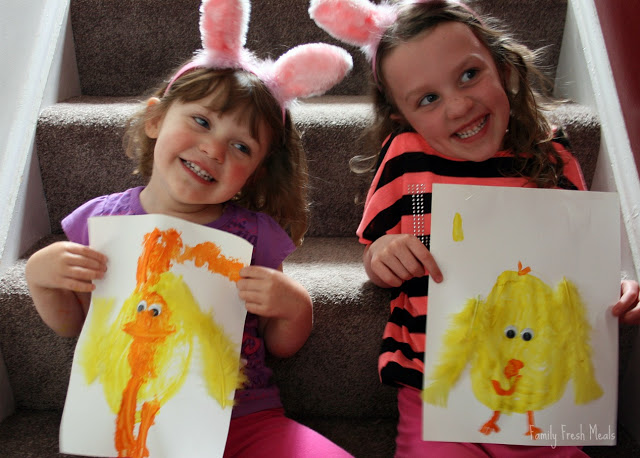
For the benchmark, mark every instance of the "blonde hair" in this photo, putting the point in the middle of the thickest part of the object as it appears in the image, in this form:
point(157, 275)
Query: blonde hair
point(529, 132)
point(279, 187)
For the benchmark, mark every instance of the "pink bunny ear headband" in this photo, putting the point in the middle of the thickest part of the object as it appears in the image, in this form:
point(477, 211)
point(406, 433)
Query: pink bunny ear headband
point(303, 71)
point(360, 22)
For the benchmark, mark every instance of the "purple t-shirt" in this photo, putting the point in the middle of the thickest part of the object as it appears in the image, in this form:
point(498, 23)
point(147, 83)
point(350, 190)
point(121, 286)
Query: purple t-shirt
point(271, 245)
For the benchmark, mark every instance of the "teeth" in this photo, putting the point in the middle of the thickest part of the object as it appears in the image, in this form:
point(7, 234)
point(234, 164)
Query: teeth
point(197, 170)
point(475, 130)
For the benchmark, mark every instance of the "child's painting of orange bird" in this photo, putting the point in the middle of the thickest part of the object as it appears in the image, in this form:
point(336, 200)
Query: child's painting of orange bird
point(142, 357)
point(523, 344)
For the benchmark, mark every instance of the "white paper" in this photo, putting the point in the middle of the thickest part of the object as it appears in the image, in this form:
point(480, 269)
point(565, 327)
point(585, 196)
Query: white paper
point(190, 422)
point(557, 234)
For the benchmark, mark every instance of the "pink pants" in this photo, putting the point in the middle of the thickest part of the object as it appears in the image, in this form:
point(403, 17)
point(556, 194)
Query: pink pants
point(270, 434)
point(409, 441)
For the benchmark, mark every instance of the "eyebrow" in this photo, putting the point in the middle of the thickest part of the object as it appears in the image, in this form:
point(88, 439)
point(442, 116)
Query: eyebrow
point(410, 95)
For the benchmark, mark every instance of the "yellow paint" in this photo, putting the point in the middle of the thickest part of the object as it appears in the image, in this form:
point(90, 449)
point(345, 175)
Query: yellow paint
point(458, 234)
point(143, 357)
point(523, 343)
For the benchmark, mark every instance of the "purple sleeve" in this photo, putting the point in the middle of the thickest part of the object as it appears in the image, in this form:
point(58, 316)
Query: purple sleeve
point(75, 225)
point(273, 244)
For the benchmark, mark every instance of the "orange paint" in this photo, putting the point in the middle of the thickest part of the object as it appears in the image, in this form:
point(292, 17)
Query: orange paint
point(533, 429)
point(157, 255)
point(511, 372)
point(492, 425)
point(209, 253)
point(522, 271)
point(513, 367)
point(150, 328)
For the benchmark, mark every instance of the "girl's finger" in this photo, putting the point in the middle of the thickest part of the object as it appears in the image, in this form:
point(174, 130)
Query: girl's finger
point(250, 297)
point(85, 274)
point(431, 268)
point(86, 252)
point(78, 286)
point(628, 298)
point(632, 316)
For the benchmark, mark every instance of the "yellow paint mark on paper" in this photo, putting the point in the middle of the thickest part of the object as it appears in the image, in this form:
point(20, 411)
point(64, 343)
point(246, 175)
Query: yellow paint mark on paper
point(144, 356)
point(458, 234)
point(523, 343)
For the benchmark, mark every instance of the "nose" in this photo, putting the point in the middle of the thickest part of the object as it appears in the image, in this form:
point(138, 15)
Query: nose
point(214, 148)
point(458, 105)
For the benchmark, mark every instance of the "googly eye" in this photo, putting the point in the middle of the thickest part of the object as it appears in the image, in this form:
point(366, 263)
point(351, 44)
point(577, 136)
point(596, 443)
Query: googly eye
point(510, 332)
point(527, 334)
point(142, 306)
point(155, 309)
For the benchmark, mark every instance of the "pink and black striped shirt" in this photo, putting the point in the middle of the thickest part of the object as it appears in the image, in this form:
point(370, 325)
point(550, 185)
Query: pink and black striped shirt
point(399, 202)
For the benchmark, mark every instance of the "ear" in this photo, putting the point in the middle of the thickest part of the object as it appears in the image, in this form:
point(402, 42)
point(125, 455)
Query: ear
point(397, 117)
point(152, 126)
point(512, 79)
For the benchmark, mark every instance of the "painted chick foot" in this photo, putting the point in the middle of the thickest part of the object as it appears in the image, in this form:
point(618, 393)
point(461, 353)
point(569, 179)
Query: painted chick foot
point(533, 429)
point(491, 425)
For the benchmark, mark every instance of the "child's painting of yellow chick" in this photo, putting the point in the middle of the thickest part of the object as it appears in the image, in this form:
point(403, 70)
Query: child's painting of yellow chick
point(142, 350)
point(521, 346)
point(523, 343)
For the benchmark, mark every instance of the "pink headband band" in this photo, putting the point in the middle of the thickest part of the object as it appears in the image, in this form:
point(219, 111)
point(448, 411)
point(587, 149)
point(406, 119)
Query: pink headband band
point(360, 22)
point(304, 71)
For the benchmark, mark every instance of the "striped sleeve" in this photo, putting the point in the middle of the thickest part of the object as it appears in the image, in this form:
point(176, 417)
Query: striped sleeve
point(382, 208)
point(572, 175)
point(399, 202)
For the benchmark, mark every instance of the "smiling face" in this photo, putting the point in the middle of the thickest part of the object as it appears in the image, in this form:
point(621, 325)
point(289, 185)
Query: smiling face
point(446, 85)
point(201, 159)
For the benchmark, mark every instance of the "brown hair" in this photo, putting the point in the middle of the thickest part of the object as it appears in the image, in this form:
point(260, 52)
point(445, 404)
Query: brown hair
point(279, 186)
point(529, 132)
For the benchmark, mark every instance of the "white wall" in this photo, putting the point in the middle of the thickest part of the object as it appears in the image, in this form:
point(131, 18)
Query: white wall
point(36, 51)
point(584, 75)
point(38, 45)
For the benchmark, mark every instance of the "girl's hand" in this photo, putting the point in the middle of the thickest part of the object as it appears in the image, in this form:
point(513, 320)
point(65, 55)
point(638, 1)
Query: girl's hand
point(628, 309)
point(283, 305)
point(60, 278)
point(66, 265)
point(395, 258)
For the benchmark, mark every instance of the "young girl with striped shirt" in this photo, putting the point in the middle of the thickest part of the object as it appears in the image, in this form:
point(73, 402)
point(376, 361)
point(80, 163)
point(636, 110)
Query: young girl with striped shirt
point(455, 102)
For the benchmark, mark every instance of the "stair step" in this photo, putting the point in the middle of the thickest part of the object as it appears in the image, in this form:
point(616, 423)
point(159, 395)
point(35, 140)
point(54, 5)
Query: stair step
point(79, 144)
point(346, 303)
point(126, 47)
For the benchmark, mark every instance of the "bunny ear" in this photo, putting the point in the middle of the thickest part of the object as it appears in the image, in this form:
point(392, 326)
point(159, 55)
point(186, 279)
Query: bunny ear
point(304, 71)
point(356, 22)
point(223, 27)
point(308, 70)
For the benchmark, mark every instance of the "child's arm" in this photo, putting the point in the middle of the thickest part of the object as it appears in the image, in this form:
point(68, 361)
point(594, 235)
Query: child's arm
point(395, 258)
point(283, 305)
point(628, 308)
point(60, 277)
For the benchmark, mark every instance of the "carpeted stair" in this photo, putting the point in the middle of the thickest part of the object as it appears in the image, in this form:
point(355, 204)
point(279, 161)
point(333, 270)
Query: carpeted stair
point(123, 48)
